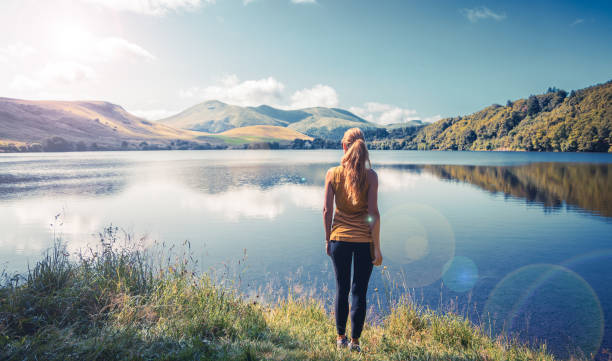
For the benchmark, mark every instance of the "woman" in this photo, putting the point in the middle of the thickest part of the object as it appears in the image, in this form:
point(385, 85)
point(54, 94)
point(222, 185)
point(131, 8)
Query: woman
point(354, 235)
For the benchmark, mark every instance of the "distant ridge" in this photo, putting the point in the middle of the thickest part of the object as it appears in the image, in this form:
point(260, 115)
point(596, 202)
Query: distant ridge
point(42, 125)
point(215, 117)
point(84, 124)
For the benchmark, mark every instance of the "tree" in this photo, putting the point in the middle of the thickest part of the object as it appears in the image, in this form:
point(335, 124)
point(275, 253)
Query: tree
point(35, 147)
point(80, 146)
point(509, 103)
point(57, 144)
point(533, 105)
point(297, 144)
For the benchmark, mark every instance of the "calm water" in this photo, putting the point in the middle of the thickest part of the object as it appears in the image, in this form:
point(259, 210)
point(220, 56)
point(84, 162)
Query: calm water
point(522, 242)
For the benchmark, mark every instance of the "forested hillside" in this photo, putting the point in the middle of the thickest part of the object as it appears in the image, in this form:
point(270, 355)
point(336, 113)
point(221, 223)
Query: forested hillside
point(580, 121)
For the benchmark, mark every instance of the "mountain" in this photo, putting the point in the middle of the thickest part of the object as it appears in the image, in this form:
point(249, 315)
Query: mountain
point(216, 117)
point(67, 125)
point(33, 125)
point(554, 121)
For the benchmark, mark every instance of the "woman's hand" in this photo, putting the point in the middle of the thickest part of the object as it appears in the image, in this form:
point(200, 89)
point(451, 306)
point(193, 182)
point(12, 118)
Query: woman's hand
point(328, 248)
point(377, 257)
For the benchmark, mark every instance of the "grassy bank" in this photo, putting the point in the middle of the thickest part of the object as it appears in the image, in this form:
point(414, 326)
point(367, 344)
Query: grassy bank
point(115, 303)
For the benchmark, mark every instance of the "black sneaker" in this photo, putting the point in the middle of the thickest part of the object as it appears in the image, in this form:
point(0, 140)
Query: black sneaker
point(342, 343)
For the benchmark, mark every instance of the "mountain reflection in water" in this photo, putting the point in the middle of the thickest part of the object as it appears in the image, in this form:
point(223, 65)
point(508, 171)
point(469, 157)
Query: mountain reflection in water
point(587, 186)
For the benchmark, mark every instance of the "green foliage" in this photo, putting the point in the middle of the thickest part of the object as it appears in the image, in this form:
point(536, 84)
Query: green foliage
point(552, 121)
point(533, 105)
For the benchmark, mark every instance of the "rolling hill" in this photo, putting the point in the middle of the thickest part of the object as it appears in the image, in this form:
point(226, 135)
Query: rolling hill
point(32, 125)
point(580, 121)
point(216, 117)
point(67, 125)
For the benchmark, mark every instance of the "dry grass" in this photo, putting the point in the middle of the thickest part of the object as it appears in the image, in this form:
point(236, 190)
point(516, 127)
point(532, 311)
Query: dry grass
point(265, 132)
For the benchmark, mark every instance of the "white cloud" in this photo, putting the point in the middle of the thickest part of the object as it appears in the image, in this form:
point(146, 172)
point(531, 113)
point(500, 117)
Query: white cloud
point(14, 51)
point(318, 96)
point(17, 50)
point(576, 22)
point(384, 113)
point(76, 44)
point(246, 93)
point(152, 7)
point(111, 48)
point(66, 72)
point(54, 74)
point(23, 83)
point(269, 91)
point(482, 12)
point(432, 119)
point(73, 60)
point(154, 114)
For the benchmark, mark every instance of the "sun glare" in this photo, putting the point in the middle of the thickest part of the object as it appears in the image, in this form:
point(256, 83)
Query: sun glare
point(71, 40)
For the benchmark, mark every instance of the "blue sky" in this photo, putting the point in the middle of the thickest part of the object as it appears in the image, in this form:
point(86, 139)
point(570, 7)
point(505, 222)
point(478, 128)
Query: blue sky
point(388, 61)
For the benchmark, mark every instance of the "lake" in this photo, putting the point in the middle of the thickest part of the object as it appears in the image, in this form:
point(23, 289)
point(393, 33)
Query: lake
point(521, 242)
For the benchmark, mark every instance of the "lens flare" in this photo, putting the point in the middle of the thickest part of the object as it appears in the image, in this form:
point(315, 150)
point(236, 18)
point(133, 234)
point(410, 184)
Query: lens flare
point(420, 240)
point(460, 274)
point(550, 301)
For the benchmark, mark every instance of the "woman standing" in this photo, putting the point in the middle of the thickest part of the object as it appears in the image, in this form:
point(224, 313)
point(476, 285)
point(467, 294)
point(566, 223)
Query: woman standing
point(354, 235)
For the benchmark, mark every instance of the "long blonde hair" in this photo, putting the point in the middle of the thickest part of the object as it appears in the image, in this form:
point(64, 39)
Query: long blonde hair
point(354, 163)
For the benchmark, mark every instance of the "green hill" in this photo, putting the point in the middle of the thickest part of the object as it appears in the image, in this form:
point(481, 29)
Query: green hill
point(555, 121)
point(216, 117)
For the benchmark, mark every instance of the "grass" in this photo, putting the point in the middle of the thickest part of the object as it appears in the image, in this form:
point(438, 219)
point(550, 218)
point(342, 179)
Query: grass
point(117, 302)
point(265, 132)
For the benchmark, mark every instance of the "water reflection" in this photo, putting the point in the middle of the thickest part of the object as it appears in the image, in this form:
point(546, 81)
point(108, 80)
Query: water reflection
point(587, 186)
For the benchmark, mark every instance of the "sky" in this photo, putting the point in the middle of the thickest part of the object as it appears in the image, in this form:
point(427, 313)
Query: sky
point(387, 61)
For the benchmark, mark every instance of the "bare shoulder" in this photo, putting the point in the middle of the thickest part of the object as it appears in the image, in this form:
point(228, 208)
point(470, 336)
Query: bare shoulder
point(372, 176)
point(330, 173)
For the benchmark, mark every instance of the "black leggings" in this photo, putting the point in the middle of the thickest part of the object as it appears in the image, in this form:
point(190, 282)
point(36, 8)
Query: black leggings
point(342, 253)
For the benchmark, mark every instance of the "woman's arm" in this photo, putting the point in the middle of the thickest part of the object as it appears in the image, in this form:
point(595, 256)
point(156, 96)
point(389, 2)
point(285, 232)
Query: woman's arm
point(328, 206)
point(374, 215)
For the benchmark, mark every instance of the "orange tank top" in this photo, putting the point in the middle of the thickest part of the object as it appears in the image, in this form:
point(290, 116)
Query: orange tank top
point(350, 222)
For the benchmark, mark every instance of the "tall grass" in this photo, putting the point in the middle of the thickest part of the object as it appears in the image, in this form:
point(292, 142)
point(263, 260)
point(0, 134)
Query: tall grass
point(118, 302)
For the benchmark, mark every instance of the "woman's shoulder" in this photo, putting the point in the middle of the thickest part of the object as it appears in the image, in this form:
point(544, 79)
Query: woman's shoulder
point(331, 172)
point(371, 176)
point(334, 170)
